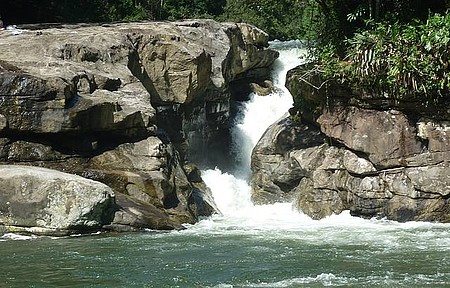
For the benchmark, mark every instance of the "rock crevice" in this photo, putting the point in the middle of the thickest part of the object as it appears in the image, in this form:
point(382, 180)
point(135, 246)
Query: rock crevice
point(374, 159)
point(128, 105)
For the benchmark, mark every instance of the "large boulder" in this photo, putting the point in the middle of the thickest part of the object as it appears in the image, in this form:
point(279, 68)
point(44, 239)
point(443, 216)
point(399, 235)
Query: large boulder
point(129, 105)
point(382, 156)
point(43, 201)
point(135, 215)
point(274, 174)
point(109, 81)
point(150, 171)
point(360, 130)
point(327, 177)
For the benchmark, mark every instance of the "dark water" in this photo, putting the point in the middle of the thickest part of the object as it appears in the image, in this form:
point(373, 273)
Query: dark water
point(216, 253)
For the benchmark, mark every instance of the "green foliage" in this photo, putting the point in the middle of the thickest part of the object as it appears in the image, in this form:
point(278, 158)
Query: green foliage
point(183, 9)
point(125, 10)
point(282, 19)
point(341, 19)
point(109, 10)
point(68, 11)
point(404, 60)
point(135, 10)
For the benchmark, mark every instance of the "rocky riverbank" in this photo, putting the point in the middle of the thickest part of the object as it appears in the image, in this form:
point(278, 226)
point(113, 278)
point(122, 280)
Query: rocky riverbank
point(375, 154)
point(124, 105)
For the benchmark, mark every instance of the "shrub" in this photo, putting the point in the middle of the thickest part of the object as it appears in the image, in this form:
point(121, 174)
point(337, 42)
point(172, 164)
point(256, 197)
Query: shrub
point(397, 60)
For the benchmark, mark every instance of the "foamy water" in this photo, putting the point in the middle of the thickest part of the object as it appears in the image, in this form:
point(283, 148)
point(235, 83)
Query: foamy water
point(232, 191)
point(262, 111)
point(281, 221)
point(244, 246)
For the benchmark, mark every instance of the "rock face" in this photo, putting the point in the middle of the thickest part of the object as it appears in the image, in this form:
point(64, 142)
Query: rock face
point(49, 202)
point(360, 152)
point(275, 174)
point(128, 105)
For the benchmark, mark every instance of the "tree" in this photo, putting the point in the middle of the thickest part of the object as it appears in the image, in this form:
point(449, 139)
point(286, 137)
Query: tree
point(282, 19)
point(182, 9)
point(393, 48)
point(342, 18)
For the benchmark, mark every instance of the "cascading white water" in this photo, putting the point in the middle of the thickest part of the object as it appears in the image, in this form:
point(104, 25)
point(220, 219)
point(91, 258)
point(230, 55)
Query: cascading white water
point(262, 111)
point(232, 191)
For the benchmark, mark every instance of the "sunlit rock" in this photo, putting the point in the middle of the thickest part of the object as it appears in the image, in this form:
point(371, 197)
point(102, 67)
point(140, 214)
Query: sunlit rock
point(128, 104)
point(50, 202)
point(381, 156)
point(386, 137)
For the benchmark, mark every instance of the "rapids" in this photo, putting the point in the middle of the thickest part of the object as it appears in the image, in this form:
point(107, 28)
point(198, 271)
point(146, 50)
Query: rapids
point(245, 245)
point(232, 191)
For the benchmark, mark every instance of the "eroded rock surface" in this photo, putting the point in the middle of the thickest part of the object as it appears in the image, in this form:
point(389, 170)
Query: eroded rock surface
point(128, 105)
point(377, 156)
point(43, 201)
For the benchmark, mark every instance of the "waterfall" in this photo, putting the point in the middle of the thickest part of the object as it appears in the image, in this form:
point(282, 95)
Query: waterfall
point(232, 191)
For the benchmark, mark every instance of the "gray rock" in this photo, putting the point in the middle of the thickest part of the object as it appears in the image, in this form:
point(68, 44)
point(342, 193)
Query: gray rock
point(143, 155)
point(135, 215)
point(386, 156)
point(3, 122)
point(262, 89)
point(318, 203)
point(150, 172)
point(127, 104)
point(359, 130)
point(22, 151)
point(357, 165)
point(431, 179)
point(309, 158)
point(402, 208)
point(436, 133)
point(275, 171)
point(52, 202)
point(329, 179)
point(109, 79)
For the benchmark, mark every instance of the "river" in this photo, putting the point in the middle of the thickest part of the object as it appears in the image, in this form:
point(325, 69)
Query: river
point(244, 246)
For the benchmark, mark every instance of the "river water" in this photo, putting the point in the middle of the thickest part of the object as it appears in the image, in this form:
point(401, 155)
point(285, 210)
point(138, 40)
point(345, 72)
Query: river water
point(244, 246)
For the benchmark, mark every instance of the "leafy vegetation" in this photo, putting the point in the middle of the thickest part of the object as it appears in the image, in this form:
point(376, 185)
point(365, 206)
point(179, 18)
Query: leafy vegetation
point(68, 11)
point(400, 55)
point(341, 19)
point(282, 19)
point(182, 9)
point(404, 60)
